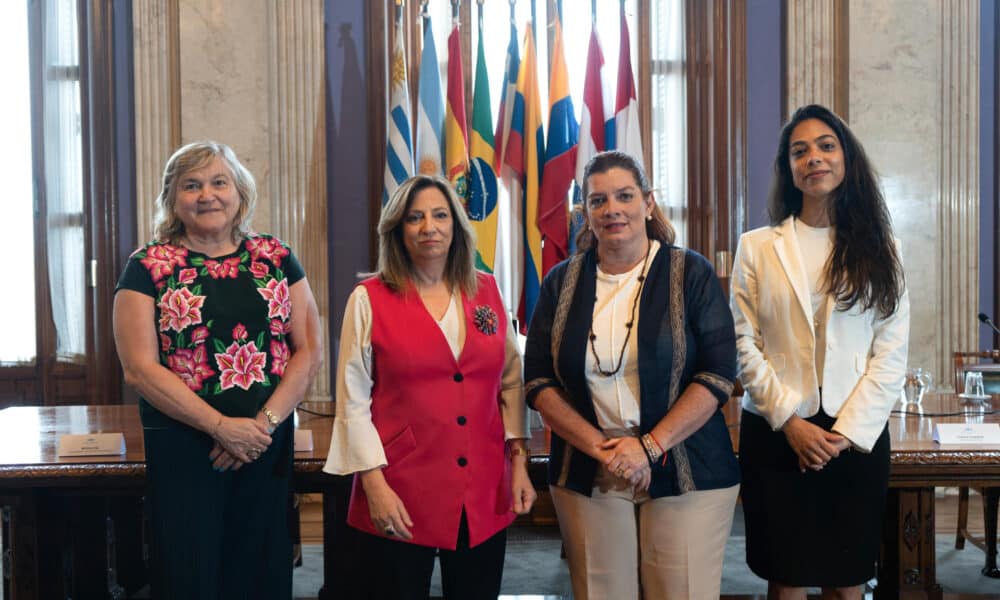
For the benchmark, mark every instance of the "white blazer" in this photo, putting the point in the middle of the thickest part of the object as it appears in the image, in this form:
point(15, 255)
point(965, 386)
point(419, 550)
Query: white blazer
point(865, 356)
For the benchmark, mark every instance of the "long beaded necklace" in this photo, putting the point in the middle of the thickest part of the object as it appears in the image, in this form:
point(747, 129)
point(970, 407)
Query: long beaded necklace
point(628, 325)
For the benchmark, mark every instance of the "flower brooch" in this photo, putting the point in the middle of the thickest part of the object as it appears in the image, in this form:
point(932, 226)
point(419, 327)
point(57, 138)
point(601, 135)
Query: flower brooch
point(486, 319)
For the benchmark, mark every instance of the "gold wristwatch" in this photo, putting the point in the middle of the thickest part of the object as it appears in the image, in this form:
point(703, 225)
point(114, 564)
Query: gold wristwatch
point(272, 419)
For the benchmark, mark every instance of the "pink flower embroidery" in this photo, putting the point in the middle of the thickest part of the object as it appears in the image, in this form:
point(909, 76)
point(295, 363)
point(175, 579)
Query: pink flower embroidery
point(241, 365)
point(259, 270)
point(279, 303)
point(268, 248)
point(186, 276)
point(191, 366)
point(279, 327)
point(162, 258)
point(164, 343)
point(227, 269)
point(239, 332)
point(199, 335)
point(279, 357)
point(179, 308)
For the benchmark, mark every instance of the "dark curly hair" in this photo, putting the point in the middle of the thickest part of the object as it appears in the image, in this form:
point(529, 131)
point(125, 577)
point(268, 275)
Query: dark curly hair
point(865, 267)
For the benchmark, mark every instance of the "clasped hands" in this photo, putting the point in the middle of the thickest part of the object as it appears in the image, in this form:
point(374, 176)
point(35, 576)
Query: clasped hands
point(625, 457)
point(238, 441)
point(814, 446)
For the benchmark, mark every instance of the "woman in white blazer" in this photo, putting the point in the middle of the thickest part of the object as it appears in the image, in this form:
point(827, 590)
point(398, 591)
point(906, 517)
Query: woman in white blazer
point(822, 326)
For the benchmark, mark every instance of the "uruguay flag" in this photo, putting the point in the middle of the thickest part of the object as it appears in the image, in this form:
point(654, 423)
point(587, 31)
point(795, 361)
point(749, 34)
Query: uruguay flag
point(398, 147)
point(430, 109)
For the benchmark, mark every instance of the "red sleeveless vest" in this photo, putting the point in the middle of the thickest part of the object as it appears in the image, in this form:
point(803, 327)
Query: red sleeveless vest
point(439, 419)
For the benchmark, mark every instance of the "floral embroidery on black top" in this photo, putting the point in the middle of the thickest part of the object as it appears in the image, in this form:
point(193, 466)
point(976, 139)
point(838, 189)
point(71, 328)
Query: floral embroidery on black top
point(223, 322)
point(486, 319)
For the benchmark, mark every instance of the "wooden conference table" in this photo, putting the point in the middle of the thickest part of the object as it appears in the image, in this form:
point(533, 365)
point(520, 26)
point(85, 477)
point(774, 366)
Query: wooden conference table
point(50, 501)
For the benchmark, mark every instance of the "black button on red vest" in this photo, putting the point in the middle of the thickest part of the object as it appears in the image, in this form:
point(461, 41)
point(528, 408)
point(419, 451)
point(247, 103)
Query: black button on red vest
point(458, 378)
point(462, 462)
point(461, 420)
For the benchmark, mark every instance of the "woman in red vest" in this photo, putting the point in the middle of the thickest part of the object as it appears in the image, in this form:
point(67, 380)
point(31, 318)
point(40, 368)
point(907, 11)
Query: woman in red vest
point(430, 406)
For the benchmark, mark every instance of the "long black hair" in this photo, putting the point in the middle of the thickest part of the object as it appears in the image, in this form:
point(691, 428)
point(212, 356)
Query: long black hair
point(864, 267)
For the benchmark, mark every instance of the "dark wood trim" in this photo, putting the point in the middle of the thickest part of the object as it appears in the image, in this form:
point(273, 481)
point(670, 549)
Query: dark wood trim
point(44, 327)
point(784, 61)
point(996, 172)
point(842, 58)
point(174, 66)
point(379, 22)
point(101, 199)
point(717, 147)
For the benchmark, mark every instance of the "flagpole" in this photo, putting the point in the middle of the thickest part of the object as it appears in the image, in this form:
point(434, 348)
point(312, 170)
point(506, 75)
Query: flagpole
point(534, 24)
point(593, 12)
point(513, 15)
point(479, 17)
point(454, 9)
point(399, 11)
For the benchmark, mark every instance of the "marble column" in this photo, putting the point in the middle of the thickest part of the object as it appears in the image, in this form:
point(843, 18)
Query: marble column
point(914, 105)
point(958, 212)
point(248, 73)
point(157, 102)
point(297, 148)
point(816, 54)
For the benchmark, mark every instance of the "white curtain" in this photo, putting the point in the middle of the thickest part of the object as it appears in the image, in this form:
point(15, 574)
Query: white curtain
point(63, 177)
point(669, 135)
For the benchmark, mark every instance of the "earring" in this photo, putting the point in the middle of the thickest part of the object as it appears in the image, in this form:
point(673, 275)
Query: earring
point(649, 217)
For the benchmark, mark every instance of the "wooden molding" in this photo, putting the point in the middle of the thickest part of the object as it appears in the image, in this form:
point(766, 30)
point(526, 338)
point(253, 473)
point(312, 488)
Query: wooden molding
point(716, 79)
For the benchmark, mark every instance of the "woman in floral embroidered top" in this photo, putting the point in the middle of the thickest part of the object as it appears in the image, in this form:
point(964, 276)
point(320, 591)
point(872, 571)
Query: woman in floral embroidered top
point(218, 331)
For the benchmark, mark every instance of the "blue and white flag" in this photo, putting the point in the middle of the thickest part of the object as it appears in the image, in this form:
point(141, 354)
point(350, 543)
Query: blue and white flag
point(430, 109)
point(398, 145)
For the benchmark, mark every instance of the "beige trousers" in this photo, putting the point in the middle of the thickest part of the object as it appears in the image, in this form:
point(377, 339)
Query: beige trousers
point(624, 546)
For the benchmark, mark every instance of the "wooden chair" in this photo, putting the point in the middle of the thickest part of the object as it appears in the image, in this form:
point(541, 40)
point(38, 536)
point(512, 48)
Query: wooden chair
point(970, 361)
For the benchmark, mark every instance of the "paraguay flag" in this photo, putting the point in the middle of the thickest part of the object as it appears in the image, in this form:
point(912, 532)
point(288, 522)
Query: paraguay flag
point(508, 99)
point(627, 135)
point(482, 202)
point(456, 146)
point(508, 158)
point(534, 151)
point(560, 161)
point(430, 109)
point(592, 120)
point(398, 147)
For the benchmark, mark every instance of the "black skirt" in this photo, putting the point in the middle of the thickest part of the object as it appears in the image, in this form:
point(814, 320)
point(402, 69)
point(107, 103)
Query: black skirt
point(818, 528)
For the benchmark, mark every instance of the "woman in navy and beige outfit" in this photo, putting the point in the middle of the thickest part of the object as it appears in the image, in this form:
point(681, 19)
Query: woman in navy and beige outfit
point(822, 326)
point(430, 406)
point(630, 356)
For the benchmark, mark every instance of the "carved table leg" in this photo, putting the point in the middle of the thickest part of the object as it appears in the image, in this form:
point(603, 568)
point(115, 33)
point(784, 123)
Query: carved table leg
point(991, 499)
point(907, 565)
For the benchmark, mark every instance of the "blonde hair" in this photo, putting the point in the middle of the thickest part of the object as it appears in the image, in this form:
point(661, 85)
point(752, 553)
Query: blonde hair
point(395, 267)
point(168, 227)
point(657, 227)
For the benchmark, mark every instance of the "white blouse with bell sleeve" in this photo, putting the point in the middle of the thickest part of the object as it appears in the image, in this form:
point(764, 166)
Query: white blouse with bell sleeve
point(355, 444)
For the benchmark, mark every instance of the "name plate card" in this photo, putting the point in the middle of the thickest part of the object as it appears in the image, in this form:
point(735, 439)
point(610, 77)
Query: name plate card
point(967, 433)
point(92, 444)
point(303, 440)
